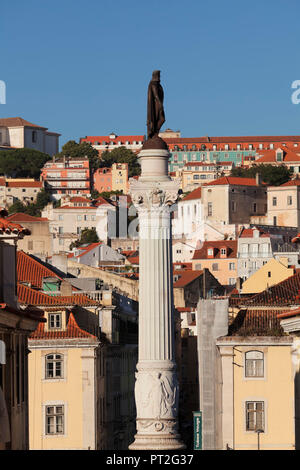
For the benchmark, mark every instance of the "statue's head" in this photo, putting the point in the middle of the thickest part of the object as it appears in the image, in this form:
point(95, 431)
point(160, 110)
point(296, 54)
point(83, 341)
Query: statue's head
point(156, 75)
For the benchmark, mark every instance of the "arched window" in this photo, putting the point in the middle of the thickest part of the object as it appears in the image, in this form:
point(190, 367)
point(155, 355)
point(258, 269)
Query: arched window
point(54, 366)
point(254, 364)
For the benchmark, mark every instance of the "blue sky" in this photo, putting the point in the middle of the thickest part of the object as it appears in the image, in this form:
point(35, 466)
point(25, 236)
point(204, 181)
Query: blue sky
point(83, 67)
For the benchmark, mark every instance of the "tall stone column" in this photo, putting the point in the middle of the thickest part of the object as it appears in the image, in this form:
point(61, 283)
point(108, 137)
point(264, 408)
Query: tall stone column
point(156, 388)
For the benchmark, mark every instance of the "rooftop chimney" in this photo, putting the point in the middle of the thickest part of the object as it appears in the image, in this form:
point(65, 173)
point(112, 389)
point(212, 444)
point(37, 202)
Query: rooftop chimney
point(258, 179)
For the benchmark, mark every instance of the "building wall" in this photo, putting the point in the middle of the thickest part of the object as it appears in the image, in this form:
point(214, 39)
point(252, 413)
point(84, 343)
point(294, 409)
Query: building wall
point(287, 215)
point(268, 275)
point(120, 177)
point(223, 273)
point(103, 179)
point(39, 242)
point(276, 389)
point(76, 391)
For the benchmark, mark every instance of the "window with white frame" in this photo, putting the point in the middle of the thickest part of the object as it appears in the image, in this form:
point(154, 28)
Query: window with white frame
point(54, 419)
point(254, 364)
point(255, 415)
point(54, 366)
point(54, 320)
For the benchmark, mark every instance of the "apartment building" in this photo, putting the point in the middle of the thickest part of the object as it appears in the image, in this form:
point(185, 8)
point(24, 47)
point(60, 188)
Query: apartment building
point(67, 176)
point(112, 141)
point(220, 258)
point(76, 214)
point(24, 190)
point(233, 200)
point(194, 174)
point(284, 204)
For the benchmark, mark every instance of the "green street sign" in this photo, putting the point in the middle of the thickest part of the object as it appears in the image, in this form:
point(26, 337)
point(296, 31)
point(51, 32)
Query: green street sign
point(197, 430)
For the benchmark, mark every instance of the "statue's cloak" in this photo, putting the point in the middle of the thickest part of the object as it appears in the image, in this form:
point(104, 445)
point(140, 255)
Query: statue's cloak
point(155, 109)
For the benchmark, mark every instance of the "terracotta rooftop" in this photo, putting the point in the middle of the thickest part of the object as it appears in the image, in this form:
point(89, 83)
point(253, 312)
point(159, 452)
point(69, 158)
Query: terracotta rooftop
point(22, 217)
point(18, 122)
point(233, 139)
point(196, 194)
point(24, 184)
point(294, 182)
point(72, 331)
point(106, 138)
point(233, 181)
point(8, 227)
point(231, 246)
point(186, 277)
point(254, 322)
point(31, 271)
point(269, 156)
point(29, 296)
point(284, 293)
point(249, 232)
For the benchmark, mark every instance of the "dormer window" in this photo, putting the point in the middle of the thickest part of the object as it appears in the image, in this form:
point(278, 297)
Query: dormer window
point(210, 252)
point(55, 321)
point(223, 252)
point(279, 156)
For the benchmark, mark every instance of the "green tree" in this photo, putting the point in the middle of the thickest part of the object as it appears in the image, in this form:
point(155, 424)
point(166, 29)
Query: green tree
point(87, 236)
point(272, 175)
point(22, 163)
point(17, 206)
point(108, 194)
point(121, 155)
point(73, 149)
point(34, 209)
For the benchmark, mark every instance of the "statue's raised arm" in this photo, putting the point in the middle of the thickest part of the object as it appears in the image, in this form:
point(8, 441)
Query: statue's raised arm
point(155, 108)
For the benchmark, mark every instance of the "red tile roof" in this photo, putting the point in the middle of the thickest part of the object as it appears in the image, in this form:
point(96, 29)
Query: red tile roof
point(31, 271)
point(233, 181)
point(88, 248)
point(269, 156)
point(196, 194)
point(29, 296)
point(18, 122)
point(7, 227)
point(248, 233)
point(24, 184)
point(22, 217)
point(186, 277)
point(231, 246)
point(236, 139)
point(105, 138)
point(256, 322)
point(294, 182)
point(72, 331)
point(284, 293)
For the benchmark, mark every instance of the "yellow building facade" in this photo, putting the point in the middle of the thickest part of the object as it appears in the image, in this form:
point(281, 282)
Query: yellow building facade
point(273, 272)
point(258, 409)
point(120, 177)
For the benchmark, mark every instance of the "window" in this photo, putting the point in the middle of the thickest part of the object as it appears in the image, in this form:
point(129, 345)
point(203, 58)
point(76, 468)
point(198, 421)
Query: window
point(54, 320)
point(55, 419)
point(198, 267)
point(215, 267)
point(274, 201)
point(30, 245)
point(254, 207)
point(210, 252)
point(254, 364)
point(289, 200)
point(33, 136)
point(60, 230)
point(231, 266)
point(233, 206)
point(255, 418)
point(274, 220)
point(232, 281)
point(209, 209)
point(60, 217)
point(223, 252)
point(54, 366)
